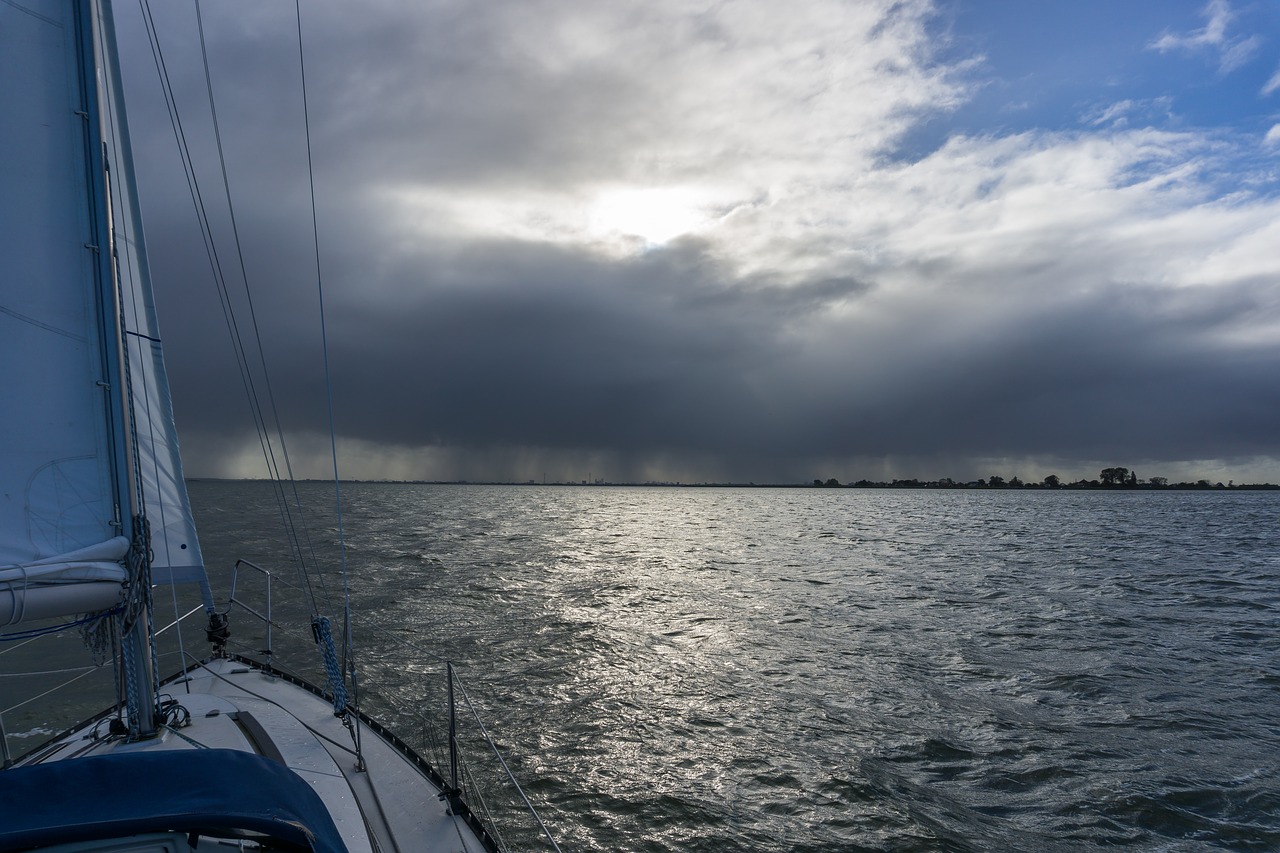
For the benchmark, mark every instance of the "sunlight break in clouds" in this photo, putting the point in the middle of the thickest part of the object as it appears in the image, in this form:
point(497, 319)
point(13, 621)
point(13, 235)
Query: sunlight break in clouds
point(730, 122)
point(654, 215)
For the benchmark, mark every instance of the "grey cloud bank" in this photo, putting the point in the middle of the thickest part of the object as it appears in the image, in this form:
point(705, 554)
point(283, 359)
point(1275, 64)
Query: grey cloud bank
point(498, 190)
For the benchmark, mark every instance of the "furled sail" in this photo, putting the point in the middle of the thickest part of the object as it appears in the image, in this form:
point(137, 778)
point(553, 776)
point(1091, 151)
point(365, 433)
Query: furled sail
point(176, 554)
point(62, 412)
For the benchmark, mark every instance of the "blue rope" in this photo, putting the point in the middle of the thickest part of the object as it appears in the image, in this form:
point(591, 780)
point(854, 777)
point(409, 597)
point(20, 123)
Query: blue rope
point(324, 637)
point(53, 629)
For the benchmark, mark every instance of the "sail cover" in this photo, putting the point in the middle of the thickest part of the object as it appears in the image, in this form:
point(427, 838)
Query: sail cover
point(215, 792)
point(58, 467)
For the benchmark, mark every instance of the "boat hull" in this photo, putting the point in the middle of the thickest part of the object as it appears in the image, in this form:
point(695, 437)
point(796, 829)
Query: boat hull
point(389, 798)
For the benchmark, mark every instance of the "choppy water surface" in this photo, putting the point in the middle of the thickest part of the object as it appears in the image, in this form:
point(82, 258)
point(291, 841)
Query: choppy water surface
point(823, 670)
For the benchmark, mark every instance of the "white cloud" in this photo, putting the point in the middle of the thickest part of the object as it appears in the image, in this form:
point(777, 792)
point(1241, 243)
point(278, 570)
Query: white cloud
point(1273, 136)
point(1214, 33)
point(1051, 206)
point(1116, 114)
point(1238, 53)
point(768, 128)
point(1273, 84)
point(1232, 53)
point(748, 112)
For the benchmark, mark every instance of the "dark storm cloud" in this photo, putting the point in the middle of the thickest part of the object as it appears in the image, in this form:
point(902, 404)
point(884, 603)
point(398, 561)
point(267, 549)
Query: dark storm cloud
point(666, 354)
point(1094, 377)
point(531, 344)
point(1016, 297)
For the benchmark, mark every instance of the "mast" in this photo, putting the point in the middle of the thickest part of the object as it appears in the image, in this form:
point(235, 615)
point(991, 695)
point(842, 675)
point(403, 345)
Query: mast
point(94, 19)
point(164, 546)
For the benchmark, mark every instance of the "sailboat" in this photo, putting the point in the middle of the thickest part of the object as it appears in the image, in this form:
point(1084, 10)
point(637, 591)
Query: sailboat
point(94, 515)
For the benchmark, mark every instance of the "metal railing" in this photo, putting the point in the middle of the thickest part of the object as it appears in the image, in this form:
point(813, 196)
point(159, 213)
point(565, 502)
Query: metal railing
point(464, 791)
point(265, 618)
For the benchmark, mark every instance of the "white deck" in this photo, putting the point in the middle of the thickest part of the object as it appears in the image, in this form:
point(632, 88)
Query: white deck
point(390, 806)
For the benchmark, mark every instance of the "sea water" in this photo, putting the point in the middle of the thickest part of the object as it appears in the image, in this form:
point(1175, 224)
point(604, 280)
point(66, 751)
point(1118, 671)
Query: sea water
point(722, 669)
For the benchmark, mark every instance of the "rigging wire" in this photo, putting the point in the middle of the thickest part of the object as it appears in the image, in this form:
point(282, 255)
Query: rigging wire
point(31, 673)
point(510, 776)
point(215, 263)
point(347, 640)
point(202, 220)
point(299, 548)
point(53, 689)
point(27, 641)
point(253, 314)
point(324, 330)
point(33, 633)
point(248, 372)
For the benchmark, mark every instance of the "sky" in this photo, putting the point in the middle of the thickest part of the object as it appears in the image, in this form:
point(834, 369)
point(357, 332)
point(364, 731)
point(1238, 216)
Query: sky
point(731, 241)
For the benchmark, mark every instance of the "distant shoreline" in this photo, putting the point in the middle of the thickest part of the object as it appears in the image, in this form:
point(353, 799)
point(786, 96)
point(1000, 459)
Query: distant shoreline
point(1080, 485)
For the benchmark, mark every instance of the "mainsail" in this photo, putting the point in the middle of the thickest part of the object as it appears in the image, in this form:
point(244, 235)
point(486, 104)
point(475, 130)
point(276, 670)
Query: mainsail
point(89, 440)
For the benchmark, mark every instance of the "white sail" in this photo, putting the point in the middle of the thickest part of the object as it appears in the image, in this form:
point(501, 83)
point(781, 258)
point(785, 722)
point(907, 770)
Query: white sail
point(176, 556)
point(56, 487)
point(61, 417)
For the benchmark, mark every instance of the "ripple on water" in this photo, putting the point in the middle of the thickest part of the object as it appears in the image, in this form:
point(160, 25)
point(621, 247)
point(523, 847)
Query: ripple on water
point(842, 670)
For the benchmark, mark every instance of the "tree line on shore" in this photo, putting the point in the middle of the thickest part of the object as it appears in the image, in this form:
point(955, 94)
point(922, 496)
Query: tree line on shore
point(1109, 478)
